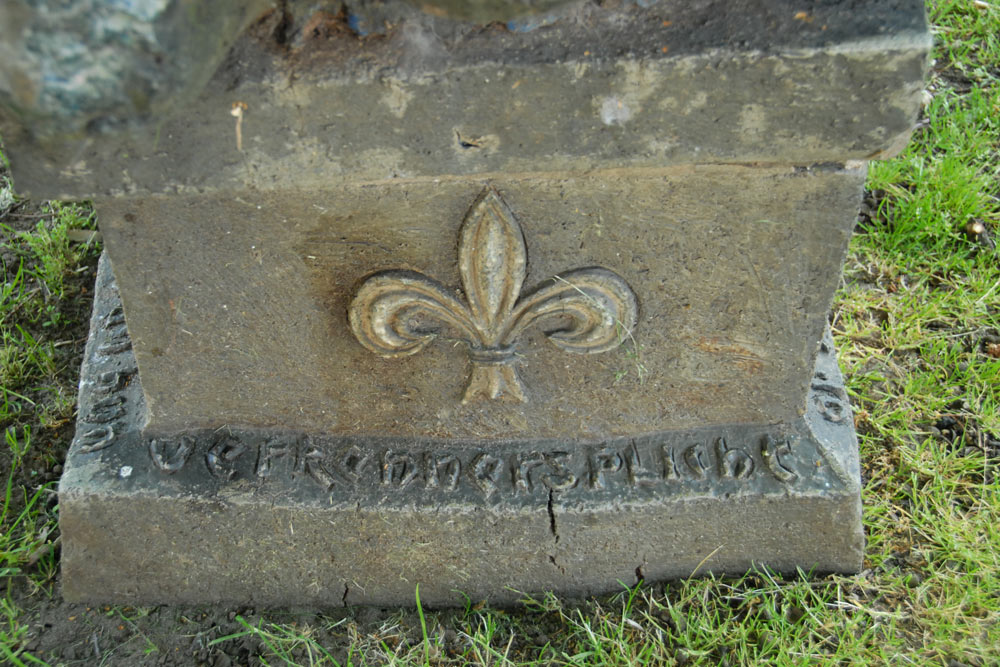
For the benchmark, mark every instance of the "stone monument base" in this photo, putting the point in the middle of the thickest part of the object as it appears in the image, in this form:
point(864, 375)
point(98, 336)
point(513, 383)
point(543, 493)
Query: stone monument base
point(277, 517)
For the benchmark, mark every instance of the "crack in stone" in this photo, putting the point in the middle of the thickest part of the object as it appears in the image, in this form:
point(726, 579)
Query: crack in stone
point(554, 530)
point(552, 517)
point(640, 574)
point(343, 598)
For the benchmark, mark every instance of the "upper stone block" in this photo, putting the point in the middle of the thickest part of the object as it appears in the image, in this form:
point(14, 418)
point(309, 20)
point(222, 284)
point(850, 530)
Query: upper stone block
point(321, 103)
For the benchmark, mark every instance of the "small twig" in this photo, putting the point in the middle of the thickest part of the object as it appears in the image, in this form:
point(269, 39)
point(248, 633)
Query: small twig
point(705, 559)
point(64, 343)
point(13, 207)
point(43, 550)
point(850, 606)
point(27, 216)
point(981, 299)
point(21, 301)
point(237, 112)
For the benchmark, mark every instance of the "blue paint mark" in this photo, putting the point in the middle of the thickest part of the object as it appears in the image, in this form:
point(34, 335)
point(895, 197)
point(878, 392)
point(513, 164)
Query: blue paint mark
point(531, 23)
point(354, 22)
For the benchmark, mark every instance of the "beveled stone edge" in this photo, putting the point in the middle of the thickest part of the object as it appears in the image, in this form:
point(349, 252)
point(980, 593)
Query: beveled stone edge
point(110, 558)
point(172, 157)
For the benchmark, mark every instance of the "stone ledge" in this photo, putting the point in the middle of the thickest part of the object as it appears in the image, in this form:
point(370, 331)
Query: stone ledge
point(747, 83)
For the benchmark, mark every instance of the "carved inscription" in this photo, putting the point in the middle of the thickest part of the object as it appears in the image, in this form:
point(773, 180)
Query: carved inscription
point(559, 476)
point(487, 473)
point(602, 464)
point(221, 458)
point(273, 451)
point(733, 463)
point(108, 409)
point(773, 452)
point(101, 420)
point(443, 471)
point(171, 455)
point(638, 474)
point(647, 464)
point(117, 339)
point(399, 469)
point(827, 395)
point(830, 400)
point(696, 458)
point(96, 439)
point(395, 313)
point(669, 456)
point(311, 465)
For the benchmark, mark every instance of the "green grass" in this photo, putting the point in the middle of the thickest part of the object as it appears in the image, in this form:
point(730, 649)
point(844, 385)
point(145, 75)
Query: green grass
point(284, 642)
point(28, 527)
point(917, 326)
point(26, 543)
point(42, 325)
point(39, 306)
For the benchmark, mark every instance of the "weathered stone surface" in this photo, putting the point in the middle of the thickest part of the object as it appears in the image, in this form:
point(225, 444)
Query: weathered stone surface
point(484, 11)
point(753, 81)
point(238, 306)
point(273, 516)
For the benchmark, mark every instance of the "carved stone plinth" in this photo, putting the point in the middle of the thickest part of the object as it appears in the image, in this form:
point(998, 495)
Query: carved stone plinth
point(276, 516)
point(483, 311)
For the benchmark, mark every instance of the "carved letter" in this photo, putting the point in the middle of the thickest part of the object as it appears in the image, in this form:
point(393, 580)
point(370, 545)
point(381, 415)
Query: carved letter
point(97, 439)
point(221, 458)
point(310, 464)
point(602, 462)
point(670, 472)
point(271, 451)
point(171, 455)
point(694, 457)
point(637, 473)
point(526, 463)
point(351, 464)
point(561, 478)
point(733, 463)
point(771, 451)
point(106, 410)
point(118, 340)
point(110, 381)
point(398, 469)
point(486, 472)
point(435, 465)
point(830, 401)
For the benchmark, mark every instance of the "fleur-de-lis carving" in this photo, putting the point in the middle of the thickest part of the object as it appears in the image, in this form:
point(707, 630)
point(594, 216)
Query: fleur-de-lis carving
point(591, 309)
